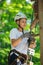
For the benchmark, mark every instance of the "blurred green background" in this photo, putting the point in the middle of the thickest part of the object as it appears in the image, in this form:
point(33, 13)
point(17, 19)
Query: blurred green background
point(8, 10)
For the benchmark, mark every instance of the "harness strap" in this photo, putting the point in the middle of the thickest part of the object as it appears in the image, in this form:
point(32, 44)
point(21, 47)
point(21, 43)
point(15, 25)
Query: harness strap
point(20, 54)
point(21, 57)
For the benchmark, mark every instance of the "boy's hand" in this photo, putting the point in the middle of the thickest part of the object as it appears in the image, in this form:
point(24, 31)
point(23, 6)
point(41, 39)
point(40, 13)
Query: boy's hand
point(32, 45)
point(26, 35)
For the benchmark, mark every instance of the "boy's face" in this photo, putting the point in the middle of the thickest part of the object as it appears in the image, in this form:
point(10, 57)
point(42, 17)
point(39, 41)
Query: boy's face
point(32, 45)
point(22, 22)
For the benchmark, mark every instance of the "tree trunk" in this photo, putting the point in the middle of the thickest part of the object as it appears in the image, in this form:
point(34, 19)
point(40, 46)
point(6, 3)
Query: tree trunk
point(40, 5)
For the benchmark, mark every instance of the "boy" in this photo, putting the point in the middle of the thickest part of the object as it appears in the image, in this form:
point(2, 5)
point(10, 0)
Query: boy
point(19, 39)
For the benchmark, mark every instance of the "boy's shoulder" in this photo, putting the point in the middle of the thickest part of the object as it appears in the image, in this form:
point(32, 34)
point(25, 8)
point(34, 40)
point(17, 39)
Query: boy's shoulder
point(14, 29)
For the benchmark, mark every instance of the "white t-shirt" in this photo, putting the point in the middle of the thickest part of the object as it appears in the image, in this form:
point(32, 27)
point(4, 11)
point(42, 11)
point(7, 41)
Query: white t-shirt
point(22, 47)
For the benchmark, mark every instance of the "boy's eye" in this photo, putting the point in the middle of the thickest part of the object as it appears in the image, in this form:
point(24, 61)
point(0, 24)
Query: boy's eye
point(24, 21)
point(32, 43)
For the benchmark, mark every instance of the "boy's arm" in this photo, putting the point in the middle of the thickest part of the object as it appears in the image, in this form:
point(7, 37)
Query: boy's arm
point(15, 42)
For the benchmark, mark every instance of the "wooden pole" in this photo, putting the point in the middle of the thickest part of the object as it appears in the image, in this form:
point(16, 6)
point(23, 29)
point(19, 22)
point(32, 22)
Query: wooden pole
point(40, 5)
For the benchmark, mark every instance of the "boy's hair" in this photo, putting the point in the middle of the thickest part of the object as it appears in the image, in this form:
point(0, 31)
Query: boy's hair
point(31, 39)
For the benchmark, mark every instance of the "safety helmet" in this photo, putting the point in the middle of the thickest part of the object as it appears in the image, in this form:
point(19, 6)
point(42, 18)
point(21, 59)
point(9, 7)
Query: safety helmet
point(19, 16)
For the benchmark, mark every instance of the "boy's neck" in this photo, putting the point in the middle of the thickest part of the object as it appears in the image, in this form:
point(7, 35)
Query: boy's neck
point(20, 29)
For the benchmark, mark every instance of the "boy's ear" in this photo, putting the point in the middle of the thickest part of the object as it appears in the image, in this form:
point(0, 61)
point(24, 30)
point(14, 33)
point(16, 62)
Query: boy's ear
point(17, 22)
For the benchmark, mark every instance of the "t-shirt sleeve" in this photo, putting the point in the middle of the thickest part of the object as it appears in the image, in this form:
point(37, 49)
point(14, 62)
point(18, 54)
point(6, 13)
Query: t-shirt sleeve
point(13, 34)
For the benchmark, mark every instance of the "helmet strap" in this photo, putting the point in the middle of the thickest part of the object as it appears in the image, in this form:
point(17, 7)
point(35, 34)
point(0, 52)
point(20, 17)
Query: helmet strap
point(21, 28)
